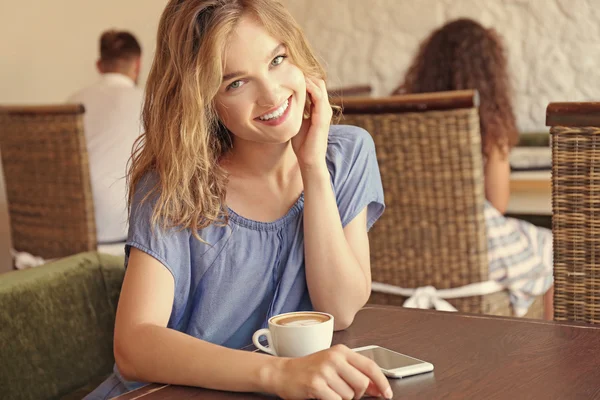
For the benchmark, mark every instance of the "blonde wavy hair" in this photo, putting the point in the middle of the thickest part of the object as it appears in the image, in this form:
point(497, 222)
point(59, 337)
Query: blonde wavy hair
point(184, 139)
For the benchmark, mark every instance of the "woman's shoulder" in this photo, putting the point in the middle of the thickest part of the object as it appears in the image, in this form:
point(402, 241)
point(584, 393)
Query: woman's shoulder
point(349, 139)
point(349, 149)
point(354, 172)
point(349, 133)
point(146, 191)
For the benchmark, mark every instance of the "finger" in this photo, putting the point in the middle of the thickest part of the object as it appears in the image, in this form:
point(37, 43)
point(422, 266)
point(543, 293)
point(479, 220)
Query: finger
point(339, 385)
point(327, 393)
point(314, 90)
point(321, 84)
point(372, 391)
point(355, 379)
point(323, 88)
point(320, 101)
point(372, 371)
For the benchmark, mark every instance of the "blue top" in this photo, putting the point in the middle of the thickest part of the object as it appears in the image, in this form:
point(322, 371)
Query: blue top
point(248, 271)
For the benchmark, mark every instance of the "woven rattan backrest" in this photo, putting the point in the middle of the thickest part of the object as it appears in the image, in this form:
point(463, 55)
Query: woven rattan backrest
point(575, 130)
point(47, 179)
point(429, 153)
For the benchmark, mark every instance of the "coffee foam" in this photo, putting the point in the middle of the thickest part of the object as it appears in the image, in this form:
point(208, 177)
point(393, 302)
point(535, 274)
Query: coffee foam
point(305, 322)
point(300, 319)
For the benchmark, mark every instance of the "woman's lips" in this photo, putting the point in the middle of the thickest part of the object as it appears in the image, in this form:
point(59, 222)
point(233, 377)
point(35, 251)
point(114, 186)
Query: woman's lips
point(279, 120)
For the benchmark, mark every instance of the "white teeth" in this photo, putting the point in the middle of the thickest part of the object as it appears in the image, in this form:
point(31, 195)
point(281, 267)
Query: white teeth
point(275, 114)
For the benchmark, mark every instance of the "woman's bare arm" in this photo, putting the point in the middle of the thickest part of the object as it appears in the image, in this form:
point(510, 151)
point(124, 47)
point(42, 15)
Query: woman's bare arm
point(147, 351)
point(497, 179)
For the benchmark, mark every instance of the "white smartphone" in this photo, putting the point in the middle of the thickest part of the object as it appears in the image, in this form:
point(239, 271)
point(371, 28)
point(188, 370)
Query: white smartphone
point(392, 364)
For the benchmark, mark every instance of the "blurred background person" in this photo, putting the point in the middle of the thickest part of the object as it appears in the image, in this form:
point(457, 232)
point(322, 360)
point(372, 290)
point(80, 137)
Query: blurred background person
point(112, 124)
point(463, 55)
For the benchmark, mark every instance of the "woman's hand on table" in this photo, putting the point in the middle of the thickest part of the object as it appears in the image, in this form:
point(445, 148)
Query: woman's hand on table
point(335, 373)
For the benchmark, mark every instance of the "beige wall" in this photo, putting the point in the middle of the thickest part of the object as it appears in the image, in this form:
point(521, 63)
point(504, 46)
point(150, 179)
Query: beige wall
point(48, 48)
point(553, 45)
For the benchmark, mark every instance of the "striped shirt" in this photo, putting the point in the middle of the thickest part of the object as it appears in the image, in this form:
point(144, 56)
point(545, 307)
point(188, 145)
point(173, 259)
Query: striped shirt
point(520, 257)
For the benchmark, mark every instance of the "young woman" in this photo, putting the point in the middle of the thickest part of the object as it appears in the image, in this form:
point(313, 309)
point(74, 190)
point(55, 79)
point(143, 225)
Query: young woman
point(465, 55)
point(245, 203)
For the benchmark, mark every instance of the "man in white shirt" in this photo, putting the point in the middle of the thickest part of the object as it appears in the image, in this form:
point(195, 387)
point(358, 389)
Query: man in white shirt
point(112, 123)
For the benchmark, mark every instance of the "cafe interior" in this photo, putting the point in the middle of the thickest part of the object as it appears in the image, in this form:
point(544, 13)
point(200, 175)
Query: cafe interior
point(485, 121)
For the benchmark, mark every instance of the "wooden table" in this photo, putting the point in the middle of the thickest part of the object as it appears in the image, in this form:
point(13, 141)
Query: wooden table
point(475, 357)
point(530, 193)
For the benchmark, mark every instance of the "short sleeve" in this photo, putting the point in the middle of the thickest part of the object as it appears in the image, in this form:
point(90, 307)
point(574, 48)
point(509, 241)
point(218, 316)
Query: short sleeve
point(354, 171)
point(171, 247)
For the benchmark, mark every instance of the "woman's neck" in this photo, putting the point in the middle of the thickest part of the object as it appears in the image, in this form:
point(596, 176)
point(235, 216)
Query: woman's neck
point(264, 180)
point(259, 160)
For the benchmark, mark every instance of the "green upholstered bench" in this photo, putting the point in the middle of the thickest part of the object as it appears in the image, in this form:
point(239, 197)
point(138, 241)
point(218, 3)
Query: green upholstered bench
point(56, 327)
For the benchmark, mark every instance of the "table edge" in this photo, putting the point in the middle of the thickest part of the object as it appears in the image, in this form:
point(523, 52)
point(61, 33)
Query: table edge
point(484, 316)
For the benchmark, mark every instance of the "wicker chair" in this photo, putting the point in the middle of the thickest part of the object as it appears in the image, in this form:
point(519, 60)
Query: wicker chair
point(6, 263)
point(433, 230)
point(575, 130)
point(351, 91)
point(47, 180)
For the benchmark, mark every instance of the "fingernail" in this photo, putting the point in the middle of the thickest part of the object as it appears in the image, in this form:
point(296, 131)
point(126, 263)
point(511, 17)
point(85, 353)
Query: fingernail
point(389, 394)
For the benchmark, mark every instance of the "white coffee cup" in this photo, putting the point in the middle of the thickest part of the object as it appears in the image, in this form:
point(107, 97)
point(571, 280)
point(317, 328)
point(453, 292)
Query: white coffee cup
point(296, 334)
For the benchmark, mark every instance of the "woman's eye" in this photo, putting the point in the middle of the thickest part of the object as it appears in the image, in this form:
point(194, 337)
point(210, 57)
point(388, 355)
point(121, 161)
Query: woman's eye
point(278, 60)
point(235, 85)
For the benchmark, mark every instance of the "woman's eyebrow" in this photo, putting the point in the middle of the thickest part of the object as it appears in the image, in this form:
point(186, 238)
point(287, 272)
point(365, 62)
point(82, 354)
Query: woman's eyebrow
point(232, 75)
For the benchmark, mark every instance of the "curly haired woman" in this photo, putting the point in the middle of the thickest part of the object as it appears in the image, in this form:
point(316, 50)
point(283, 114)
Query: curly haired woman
point(465, 55)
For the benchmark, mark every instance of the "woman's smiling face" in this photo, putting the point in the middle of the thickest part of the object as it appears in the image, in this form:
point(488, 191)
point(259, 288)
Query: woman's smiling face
point(263, 93)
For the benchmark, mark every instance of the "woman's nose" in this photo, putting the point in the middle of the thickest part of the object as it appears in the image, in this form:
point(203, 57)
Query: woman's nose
point(269, 95)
